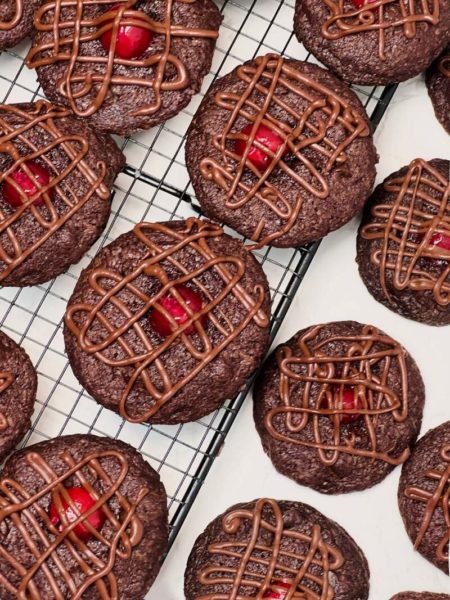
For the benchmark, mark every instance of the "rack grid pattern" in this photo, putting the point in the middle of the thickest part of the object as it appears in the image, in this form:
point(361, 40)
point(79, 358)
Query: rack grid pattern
point(154, 186)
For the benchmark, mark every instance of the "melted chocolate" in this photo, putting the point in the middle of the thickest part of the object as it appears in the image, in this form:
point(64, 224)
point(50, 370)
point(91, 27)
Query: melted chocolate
point(118, 351)
point(364, 367)
point(6, 379)
point(406, 227)
point(379, 16)
point(309, 568)
point(25, 513)
point(15, 142)
point(271, 77)
point(439, 500)
point(75, 25)
point(18, 12)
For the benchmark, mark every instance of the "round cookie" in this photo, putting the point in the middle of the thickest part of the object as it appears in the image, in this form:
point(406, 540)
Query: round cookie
point(55, 189)
point(373, 42)
point(280, 545)
point(423, 495)
point(18, 385)
point(338, 406)
point(99, 525)
point(281, 151)
point(420, 596)
point(403, 247)
point(16, 21)
point(438, 84)
point(126, 66)
point(168, 321)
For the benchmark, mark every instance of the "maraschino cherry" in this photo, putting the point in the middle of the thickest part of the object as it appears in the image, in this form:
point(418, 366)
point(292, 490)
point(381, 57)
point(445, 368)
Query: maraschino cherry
point(362, 3)
point(350, 401)
point(161, 323)
point(277, 593)
point(132, 41)
point(265, 136)
point(28, 187)
point(440, 240)
point(83, 502)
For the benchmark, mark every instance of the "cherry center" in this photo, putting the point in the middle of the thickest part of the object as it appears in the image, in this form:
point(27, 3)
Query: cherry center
point(161, 324)
point(132, 41)
point(26, 184)
point(266, 137)
point(83, 501)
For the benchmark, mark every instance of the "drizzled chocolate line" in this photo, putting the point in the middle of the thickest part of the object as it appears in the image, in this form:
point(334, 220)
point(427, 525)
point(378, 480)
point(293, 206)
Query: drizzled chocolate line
point(109, 287)
point(313, 562)
point(439, 500)
point(76, 23)
point(271, 76)
point(405, 227)
point(18, 12)
point(379, 16)
point(6, 379)
point(16, 142)
point(25, 513)
point(444, 65)
point(364, 366)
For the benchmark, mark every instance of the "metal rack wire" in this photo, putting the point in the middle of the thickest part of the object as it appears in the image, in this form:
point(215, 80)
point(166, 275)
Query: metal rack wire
point(154, 186)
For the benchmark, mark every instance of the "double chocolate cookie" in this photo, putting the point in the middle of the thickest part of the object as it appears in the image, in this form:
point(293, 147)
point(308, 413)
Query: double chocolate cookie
point(404, 242)
point(18, 384)
point(420, 596)
point(125, 65)
point(55, 188)
point(423, 496)
point(338, 406)
point(281, 151)
point(438, 84)
point(272, 549)
point(81, 517)
point(374, 42)
point(168, 321)
point(16, 21)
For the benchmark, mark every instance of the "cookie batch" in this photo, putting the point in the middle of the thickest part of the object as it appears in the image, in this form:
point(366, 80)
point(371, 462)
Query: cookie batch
point(172, 319)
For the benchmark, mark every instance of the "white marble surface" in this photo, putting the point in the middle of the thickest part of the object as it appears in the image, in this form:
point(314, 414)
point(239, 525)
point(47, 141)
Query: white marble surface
point(332, 290)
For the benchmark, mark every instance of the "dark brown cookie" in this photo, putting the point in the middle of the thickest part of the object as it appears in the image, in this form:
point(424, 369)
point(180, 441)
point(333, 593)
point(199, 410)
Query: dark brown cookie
point(338, 406)
point(18, 384)
point(51, 546)
point(438, 84)
point(153, 72)
point(264, 548)
point(373, 42)
point(403, 248)
point(281, 151)
point(16, 21)
point(55, 188)
point(168, 321)
point(420, 596)
point(423, 496)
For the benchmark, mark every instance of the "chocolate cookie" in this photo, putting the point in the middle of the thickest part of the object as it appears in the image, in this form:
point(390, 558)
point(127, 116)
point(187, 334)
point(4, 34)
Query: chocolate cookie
point(438, 84)
point(126, 66)
point(403, 248)
point(81, 517)
point(168, 321)
point(18, 384)
point(281, 151)
point(423, 496)
point(265, 549)
point(55, 188)
point(374, 42)
point(16, 21)
point(338, 406)
point(420, 596)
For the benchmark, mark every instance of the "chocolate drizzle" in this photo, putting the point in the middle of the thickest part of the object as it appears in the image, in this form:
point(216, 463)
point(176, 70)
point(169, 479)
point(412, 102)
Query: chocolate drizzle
point(75, 24)
point(379, 16)
point(439, 500)
point(128, 345)
point(17, 144)
point(314, 419)
point(405, 227)
point(14, 21)
point(6, 379)
point(269, 78)
point(266, 556)
point(26, 513)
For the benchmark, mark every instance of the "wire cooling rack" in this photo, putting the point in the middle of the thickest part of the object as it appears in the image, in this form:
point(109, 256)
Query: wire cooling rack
point(154, 186)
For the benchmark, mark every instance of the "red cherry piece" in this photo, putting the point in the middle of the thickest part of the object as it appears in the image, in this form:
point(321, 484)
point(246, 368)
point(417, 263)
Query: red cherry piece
point(161, 323)
point(83, 501)
point(264, 136)
point(349, 402)
point(132, 41)
point(440, 240)
point(29, 187)
point(277, 593)
point(361, 3)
